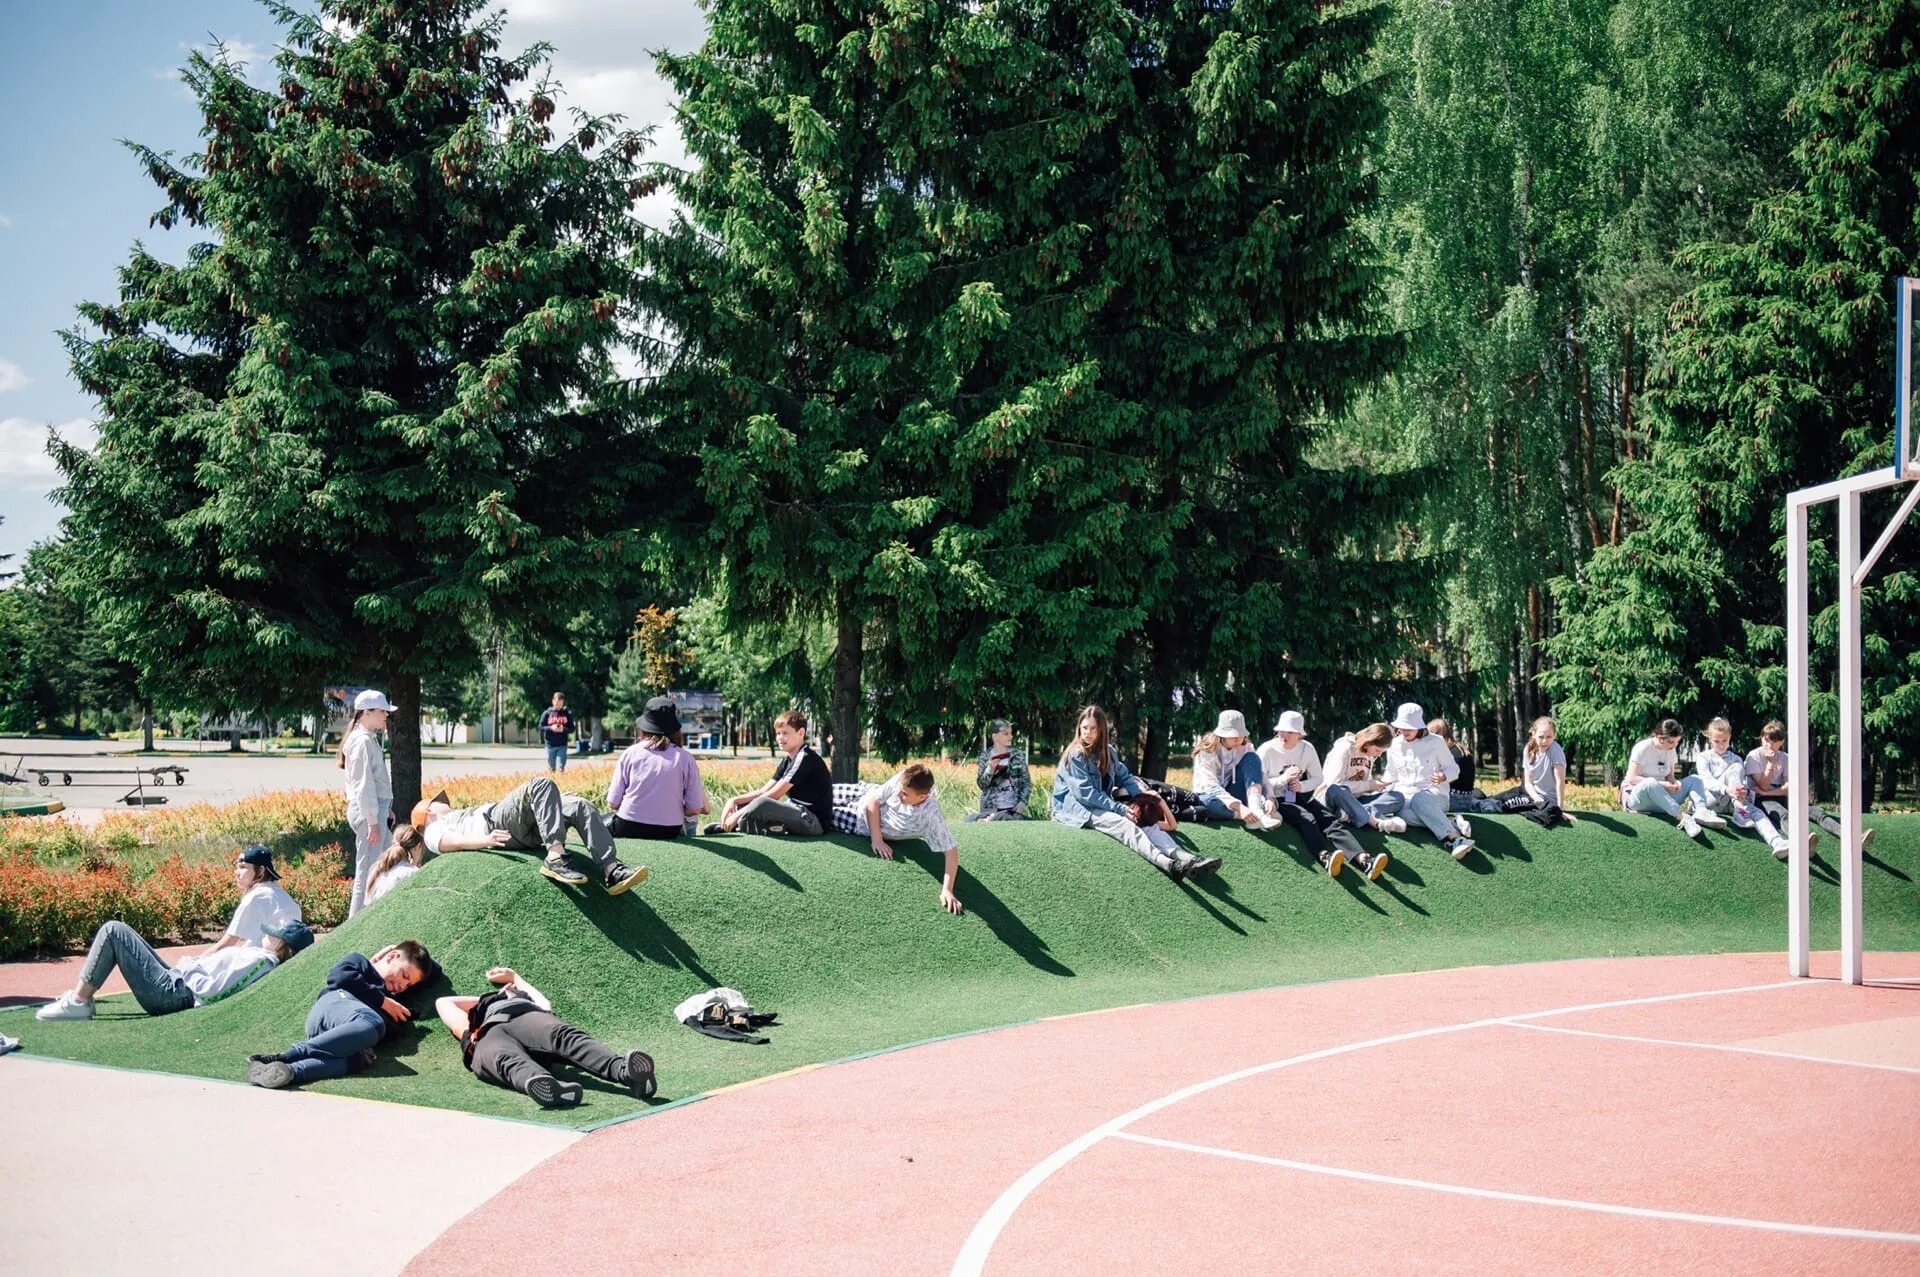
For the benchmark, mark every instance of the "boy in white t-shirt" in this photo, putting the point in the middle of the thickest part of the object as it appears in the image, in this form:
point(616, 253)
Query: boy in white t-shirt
point(161, 989)
point(263, 903)
point(903, 807)
point(1653, 785)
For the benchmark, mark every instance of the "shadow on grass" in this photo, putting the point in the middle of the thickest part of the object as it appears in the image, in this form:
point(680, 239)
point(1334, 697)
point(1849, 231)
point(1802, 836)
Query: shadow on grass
point(1499, 840)
point(1612, 824)
point(1867, 857)
point(980, 901)
point(748, 858)
point(1193, 893)
point(639, 931)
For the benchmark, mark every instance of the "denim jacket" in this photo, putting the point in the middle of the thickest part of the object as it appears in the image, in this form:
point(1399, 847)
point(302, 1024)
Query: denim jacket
point(1078, 793)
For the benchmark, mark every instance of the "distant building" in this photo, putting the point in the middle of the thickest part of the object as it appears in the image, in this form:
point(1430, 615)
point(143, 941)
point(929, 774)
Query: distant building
point(702, 718)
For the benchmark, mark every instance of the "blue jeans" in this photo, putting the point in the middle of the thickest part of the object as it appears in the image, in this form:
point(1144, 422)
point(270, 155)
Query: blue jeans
point(1246, 775)
point(157, 987)
point(1425, 808)
point(557, 758)
point(339, 1027)
point(1349, 808)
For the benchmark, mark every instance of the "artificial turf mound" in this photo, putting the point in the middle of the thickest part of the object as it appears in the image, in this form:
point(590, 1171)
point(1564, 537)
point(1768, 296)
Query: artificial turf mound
point(855, 955)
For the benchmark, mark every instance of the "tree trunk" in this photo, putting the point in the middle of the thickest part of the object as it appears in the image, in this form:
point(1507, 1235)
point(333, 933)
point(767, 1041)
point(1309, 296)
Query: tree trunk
point(848, 654)
point(403, 740)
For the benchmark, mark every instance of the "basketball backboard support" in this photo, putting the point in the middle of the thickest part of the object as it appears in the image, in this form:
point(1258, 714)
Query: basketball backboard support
point(1906, 444)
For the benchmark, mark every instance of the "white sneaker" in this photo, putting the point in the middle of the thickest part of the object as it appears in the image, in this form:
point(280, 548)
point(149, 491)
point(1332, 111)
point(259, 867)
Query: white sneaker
point(1390, 824)
point(1271, 821)
point(65, 1007)
point(1460, 823)
point(1461, 849)
point(1780, 848)
point(1709, 817)
point(1690, 826)
point(1866, 839)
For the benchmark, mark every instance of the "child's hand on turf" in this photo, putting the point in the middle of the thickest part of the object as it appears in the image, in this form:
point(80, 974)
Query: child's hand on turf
point(881, 848)
point(950, 902)
point(396, 1011)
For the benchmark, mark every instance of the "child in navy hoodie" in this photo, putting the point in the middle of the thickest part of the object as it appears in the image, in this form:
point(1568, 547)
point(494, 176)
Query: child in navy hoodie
point(350, 1018)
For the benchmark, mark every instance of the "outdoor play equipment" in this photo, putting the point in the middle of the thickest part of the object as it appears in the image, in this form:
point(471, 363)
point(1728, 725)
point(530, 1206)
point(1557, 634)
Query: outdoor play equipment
point(1854, 570)
point(44, 766)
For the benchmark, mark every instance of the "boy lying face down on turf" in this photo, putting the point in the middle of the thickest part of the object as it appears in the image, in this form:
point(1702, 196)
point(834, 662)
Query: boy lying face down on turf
point(358, 1008)
point(511, 1036)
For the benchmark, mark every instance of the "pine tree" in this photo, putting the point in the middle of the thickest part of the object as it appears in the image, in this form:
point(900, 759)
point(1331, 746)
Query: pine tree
point(374, 408)
point(1778, 368)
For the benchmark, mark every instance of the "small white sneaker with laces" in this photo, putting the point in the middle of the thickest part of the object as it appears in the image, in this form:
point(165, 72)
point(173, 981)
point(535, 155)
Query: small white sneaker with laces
point(1690, 826)
point(1460, 823)
point(1780, 848)
point(65, 1007)
point(1709, 817)
point(1390, 824)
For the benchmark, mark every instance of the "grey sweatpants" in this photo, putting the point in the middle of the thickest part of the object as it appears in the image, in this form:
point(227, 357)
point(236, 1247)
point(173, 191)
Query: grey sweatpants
point(157, 987)
point(538, 816)
point(1151, 843)
point(757, 817)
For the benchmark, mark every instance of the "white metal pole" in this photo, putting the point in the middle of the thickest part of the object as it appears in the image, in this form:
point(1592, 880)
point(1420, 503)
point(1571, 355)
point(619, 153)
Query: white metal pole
point(1799, 740)
point(1850, 751)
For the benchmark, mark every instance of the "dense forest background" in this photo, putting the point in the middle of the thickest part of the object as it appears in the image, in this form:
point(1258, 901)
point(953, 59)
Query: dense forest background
point(1170, 354)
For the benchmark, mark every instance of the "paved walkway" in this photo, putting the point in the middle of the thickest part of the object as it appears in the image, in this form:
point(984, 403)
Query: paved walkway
point(28, 983)
point(109, 1171)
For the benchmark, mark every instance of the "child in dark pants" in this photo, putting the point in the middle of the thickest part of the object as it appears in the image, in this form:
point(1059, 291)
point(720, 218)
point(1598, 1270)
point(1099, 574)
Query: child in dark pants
point(350, 1018)
point(510, 1036)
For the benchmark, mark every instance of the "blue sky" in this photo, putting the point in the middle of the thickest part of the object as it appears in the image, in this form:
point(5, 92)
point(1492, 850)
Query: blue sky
point(76, 78)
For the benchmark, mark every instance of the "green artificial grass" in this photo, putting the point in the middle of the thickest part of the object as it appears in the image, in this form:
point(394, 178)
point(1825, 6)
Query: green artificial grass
point(855, 955)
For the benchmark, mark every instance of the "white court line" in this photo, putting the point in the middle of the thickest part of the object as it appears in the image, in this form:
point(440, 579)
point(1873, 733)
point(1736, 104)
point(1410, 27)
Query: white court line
point(1714, 1046)
point(1462, 1190)
point(972, 1259)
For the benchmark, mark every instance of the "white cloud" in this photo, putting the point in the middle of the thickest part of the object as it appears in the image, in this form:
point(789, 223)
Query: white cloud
point(12, 376)
point(5, 221)
point(23, 449)
point(256, 63)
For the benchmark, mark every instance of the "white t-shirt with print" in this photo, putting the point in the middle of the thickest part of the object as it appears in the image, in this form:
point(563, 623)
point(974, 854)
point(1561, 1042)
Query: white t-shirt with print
point(266, 904)
point(899, 819)
point(461, 822)
point(227, 971)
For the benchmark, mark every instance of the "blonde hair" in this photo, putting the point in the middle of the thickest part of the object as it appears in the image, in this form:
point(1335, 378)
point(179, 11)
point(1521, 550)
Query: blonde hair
point(1373, 734)
point(1530, 752)
point(407, 845)
point(1439, 727)
point(340, 755)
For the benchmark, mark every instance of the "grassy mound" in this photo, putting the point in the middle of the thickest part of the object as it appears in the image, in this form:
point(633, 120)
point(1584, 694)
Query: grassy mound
point(855, 955)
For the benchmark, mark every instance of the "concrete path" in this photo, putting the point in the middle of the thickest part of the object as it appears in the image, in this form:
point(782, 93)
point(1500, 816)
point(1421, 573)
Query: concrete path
point(44, 979)
point(107, 1171)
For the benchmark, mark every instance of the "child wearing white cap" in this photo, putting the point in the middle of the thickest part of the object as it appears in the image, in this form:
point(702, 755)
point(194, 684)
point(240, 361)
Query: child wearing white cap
point(1292, 767)
point(369, 788)
point(1417, 769)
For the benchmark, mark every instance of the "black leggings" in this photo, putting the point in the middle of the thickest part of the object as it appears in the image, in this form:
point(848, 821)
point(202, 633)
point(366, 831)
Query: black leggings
point(1316, 826)
point(624, 828)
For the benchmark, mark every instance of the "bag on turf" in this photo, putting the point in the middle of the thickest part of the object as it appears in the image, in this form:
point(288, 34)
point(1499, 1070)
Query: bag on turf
point(723, 1013)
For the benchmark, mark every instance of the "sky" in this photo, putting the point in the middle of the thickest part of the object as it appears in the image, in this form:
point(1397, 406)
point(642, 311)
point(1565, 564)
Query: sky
point(75, 79)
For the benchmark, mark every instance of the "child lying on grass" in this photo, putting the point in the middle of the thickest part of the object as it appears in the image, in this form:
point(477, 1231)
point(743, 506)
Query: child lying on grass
point(511, 1036)
point(357, 1010)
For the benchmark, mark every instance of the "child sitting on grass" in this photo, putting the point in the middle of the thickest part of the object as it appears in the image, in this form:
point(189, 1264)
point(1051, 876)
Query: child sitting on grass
point(903, 807)
point(1766, 767)
point(1725, 773)
point(1652, 784)
point(349, 1019)
point(511, 1036)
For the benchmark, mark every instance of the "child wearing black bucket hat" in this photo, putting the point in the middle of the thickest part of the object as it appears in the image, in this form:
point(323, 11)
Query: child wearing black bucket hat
point(656, 785)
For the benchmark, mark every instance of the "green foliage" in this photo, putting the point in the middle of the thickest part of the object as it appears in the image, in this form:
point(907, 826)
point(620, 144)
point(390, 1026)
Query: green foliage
point(374, 409)
point(1778, 363)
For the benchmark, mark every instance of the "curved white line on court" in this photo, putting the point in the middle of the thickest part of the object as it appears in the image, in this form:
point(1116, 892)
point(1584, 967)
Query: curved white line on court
point(1567, 1203)
point(972, 1260)
point(1728, 1047)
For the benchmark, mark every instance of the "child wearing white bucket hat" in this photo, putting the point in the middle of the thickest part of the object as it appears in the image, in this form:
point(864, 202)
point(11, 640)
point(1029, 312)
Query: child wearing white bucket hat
point(1228, 778)
point(1417, 769)
point(1292, 768)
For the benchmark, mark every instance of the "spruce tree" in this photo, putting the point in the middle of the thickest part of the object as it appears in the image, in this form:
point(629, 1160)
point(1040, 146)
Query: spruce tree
point(1777, 378)
point(374, 406)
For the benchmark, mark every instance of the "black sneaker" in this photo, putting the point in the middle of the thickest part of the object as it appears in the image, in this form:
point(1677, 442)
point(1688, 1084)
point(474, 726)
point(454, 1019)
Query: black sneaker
point(1333, 861)
point(620, 879)
point(361, 1061)
point(1202, 867)
point(1374, 865)
point(711, 828)
point(640, 1079)
point(267, 1059)
point(551, 1093)
point(560, 870)
point(275, 1075)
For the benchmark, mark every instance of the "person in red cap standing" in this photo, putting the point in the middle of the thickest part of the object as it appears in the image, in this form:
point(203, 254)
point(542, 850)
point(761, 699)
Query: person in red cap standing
point(369, 789)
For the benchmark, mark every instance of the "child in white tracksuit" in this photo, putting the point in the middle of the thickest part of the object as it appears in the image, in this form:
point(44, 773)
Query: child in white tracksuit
point(1417, 769)
point(1724, 772)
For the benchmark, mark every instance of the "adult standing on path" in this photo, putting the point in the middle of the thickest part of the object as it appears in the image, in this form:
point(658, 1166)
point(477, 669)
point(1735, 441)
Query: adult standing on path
point(556, 725)
point(369, 788)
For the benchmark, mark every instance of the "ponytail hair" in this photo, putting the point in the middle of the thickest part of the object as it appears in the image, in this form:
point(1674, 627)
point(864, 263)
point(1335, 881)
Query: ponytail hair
point(340, 755)
point(407, 845)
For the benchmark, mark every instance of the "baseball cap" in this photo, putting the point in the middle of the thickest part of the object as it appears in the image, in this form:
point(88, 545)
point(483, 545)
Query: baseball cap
point(296, 933)
point(260, 856)
point(371, 699)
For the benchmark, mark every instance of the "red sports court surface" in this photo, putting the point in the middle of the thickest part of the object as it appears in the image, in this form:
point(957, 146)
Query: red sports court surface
point(1652, 1114)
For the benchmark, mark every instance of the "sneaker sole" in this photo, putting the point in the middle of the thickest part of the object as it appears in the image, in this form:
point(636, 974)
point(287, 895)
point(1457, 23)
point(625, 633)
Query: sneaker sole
point(640, 1078)
point(552, 1093)
point(273, 1077)
point(571, 877)
point(1378, 867)
point(1336, 863)
point(1462, 849)
point(628, 883)
point(61, 1019)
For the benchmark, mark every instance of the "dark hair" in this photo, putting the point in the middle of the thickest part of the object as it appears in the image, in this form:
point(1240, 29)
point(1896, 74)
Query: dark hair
point(654, 740)
point(916, 777)
point(407, 845)
point(1774, 730)
point(417, 956)
point(1670, 727)
point(791, 718)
